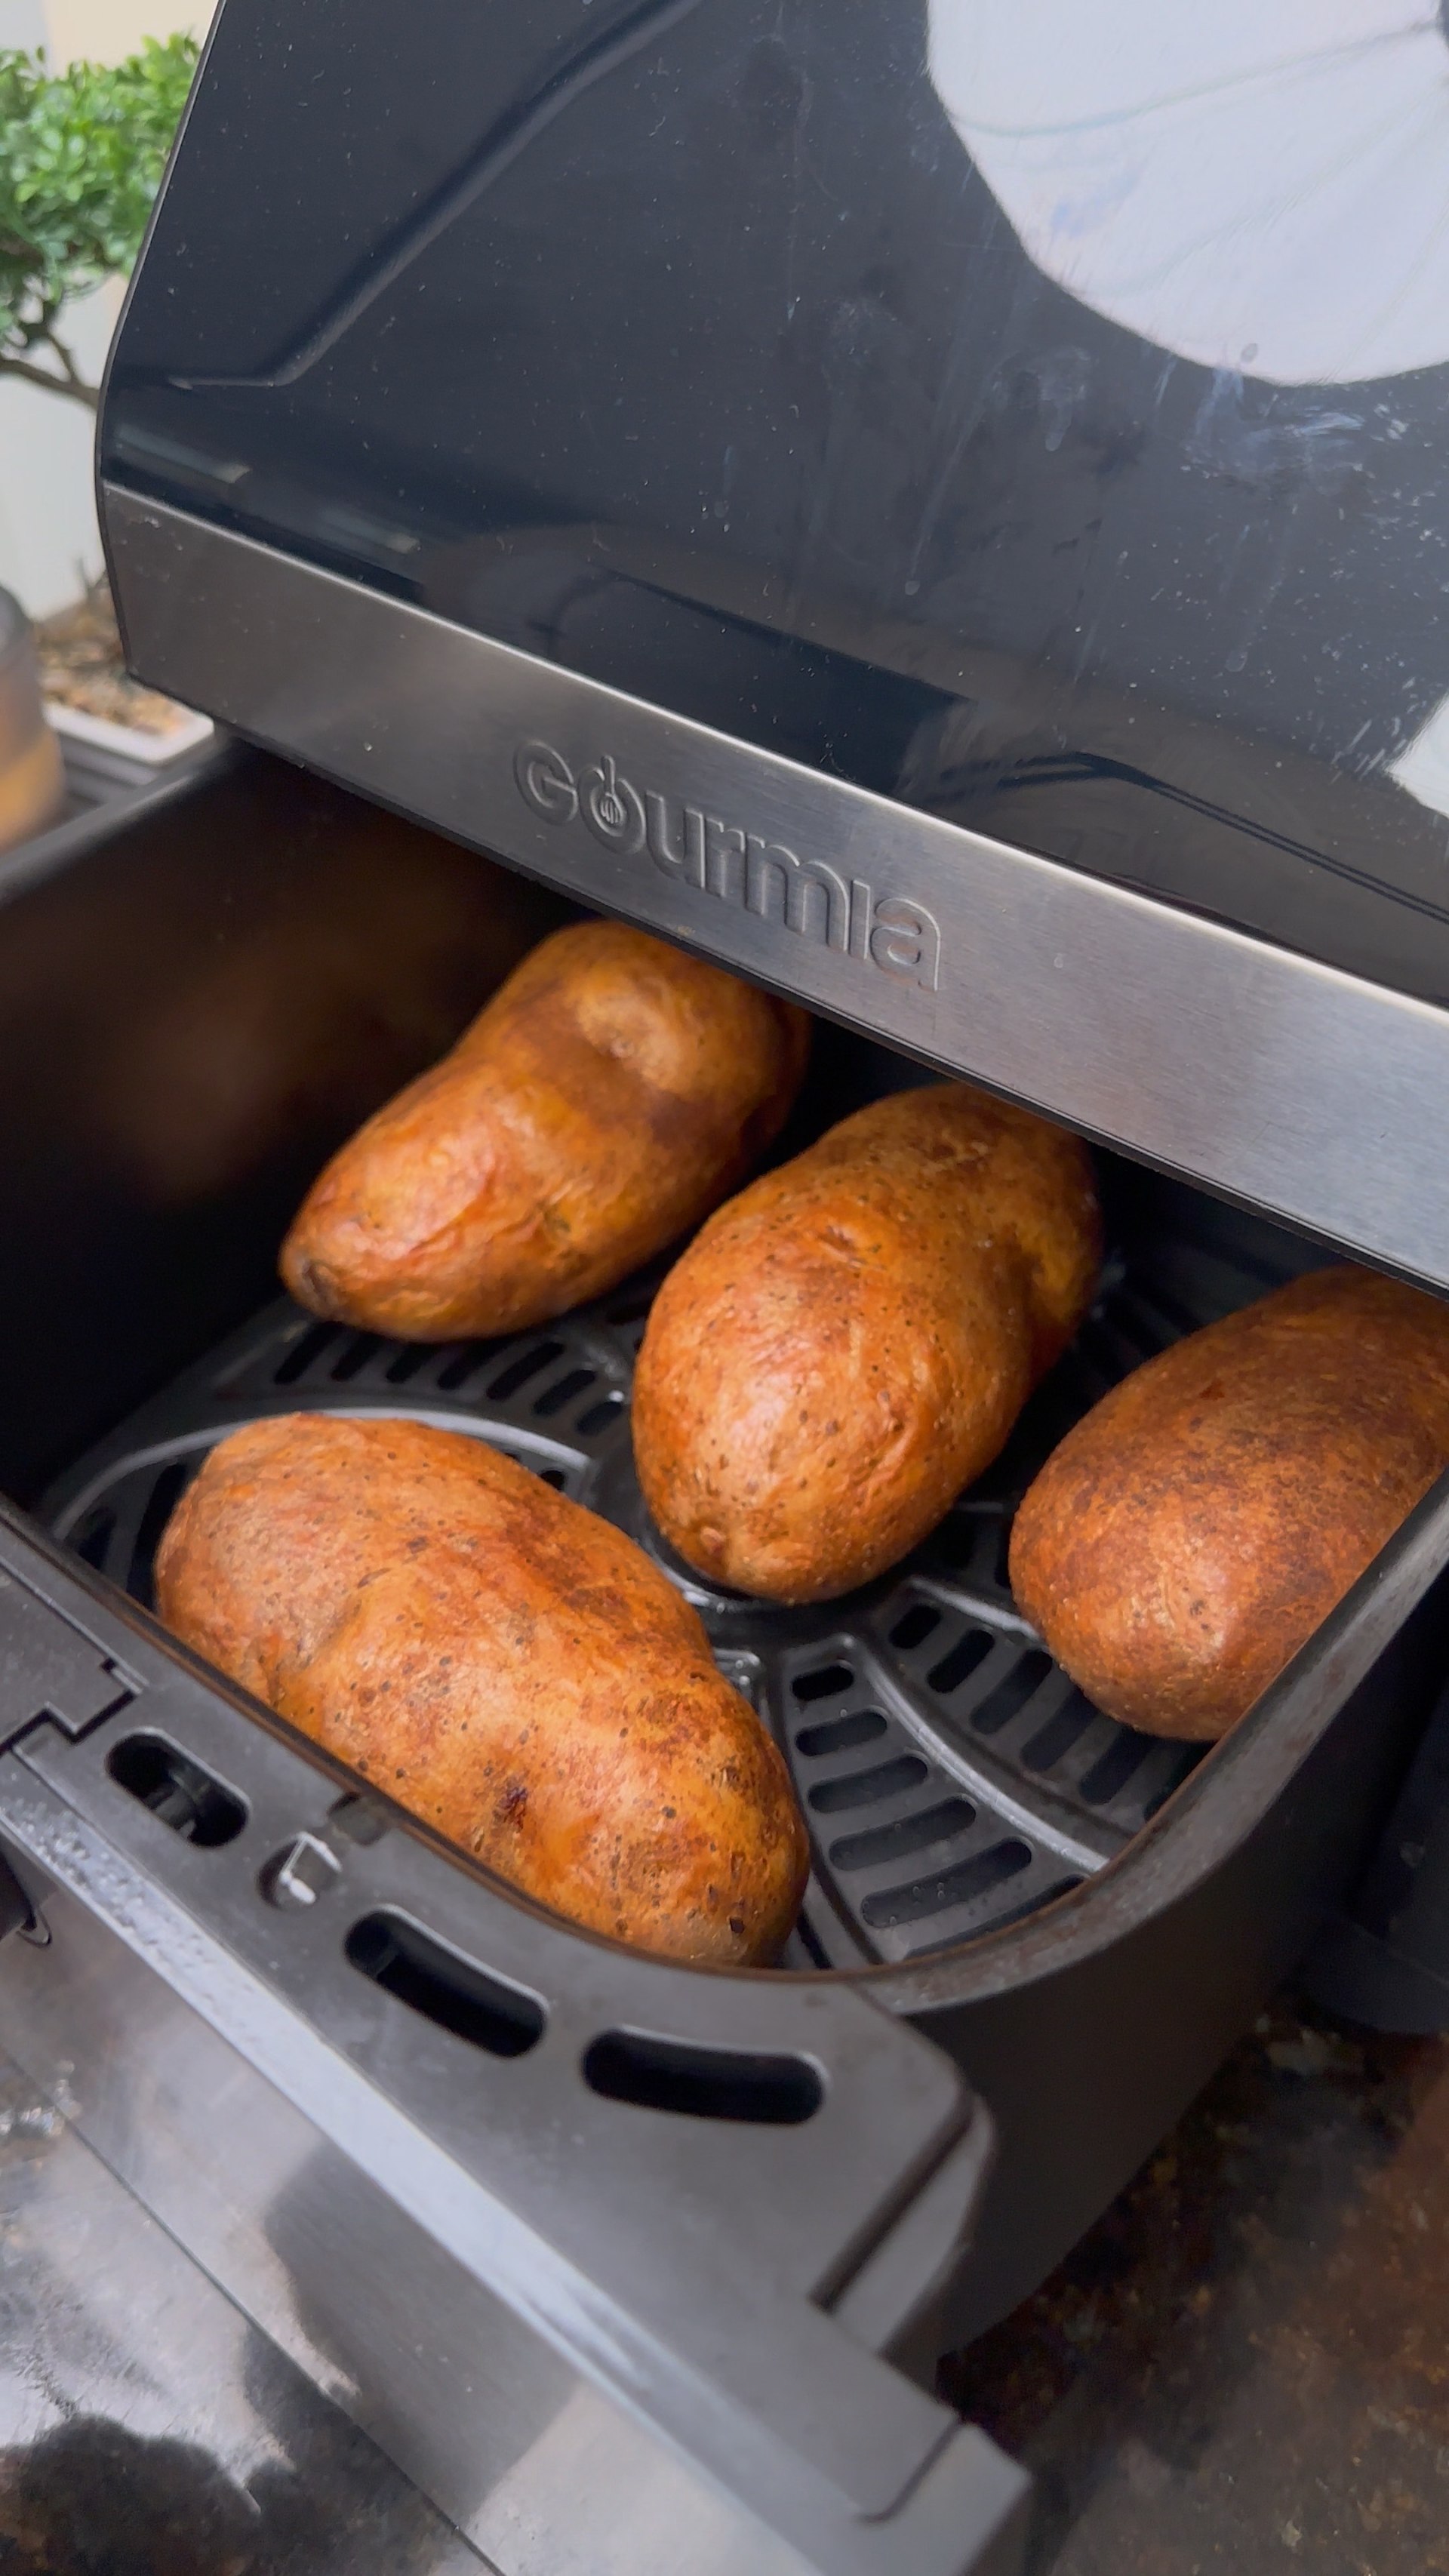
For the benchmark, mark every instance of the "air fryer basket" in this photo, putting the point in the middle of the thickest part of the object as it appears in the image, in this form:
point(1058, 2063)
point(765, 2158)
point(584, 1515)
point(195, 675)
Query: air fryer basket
point(1084, 1919)
point(952, 1777)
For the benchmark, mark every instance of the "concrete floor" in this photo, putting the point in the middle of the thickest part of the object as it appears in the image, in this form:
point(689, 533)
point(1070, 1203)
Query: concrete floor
point(1246, 2364)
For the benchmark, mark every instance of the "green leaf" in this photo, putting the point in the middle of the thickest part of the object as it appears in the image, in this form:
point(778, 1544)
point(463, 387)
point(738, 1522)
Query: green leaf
point(81, 157)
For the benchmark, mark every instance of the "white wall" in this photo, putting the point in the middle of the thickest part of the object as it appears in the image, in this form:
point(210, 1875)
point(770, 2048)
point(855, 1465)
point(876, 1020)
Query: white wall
point(105, 31)
point(49, 544)
point(22, 23)
point(100, 31)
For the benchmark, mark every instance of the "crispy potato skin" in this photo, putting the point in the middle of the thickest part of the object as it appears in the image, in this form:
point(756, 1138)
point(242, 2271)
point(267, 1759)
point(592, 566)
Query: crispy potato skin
point(848, 1343)
point(611, 1093)
point(1190, 1534)
point(503, 1663)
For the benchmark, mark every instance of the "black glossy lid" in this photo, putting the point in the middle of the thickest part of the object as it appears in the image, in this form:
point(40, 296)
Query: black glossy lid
point(1034, 412)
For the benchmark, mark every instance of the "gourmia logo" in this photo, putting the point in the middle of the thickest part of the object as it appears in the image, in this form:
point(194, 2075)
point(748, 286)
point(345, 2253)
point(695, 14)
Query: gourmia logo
point(805, 896)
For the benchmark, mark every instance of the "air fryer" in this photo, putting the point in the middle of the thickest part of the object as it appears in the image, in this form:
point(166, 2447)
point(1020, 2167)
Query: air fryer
point(725, 465)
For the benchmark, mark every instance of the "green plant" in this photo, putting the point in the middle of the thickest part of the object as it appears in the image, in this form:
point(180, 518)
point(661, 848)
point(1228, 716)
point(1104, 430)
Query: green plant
point(81, 157)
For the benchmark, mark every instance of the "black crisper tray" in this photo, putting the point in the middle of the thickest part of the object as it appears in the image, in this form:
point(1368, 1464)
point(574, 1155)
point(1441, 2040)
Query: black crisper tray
point(953, 1778)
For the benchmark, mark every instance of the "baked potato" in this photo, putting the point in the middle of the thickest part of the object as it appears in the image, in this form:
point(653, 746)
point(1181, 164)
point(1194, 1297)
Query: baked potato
point(1188, 1536)
point(609, 1095)
point(848, 1342)
point(503, 1663)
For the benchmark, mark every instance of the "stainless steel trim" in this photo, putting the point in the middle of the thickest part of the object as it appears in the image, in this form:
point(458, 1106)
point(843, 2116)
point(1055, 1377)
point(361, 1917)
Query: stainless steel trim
point(1265, 1074)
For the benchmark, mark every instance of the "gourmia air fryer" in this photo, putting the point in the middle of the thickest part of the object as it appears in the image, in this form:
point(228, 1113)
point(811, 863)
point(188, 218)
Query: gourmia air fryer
point(944, 509)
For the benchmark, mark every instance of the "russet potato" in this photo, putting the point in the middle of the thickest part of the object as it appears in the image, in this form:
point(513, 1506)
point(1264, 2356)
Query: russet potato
point(503, 1663)
point(848, 1342)
point(609, 1095)
point(1188, 1536)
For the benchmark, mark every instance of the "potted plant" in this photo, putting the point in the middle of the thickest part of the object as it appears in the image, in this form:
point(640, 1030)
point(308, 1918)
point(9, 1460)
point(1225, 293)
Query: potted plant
point(81, 157)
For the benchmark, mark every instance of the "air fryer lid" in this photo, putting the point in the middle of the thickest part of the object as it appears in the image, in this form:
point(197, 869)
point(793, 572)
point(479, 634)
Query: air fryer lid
point(1036, 419)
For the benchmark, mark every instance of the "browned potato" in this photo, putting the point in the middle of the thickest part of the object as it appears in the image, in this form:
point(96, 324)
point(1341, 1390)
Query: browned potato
point(608, 1097)
point(503, 1663)
point(849, 1342)
point(1187, 1538)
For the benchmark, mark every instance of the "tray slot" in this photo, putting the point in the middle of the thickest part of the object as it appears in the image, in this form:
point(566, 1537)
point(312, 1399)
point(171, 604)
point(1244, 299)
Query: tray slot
point(703, 2083)
point(177, 1790)
point(452, 1992)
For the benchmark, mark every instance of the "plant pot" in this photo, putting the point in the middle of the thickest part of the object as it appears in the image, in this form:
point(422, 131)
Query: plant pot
point(32, 779)
point(91, 699)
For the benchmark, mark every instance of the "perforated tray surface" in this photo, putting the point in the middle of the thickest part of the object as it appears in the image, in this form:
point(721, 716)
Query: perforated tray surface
point(953, 1778)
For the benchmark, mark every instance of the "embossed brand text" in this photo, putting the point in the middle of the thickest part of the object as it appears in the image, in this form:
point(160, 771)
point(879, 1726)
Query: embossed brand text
point(695, 848)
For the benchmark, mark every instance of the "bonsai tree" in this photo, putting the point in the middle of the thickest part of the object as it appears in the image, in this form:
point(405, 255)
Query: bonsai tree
point(81, 157)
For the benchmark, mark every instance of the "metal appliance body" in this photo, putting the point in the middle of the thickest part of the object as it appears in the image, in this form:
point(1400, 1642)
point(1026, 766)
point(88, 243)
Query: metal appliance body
point(663, 447)
point(467, 2166)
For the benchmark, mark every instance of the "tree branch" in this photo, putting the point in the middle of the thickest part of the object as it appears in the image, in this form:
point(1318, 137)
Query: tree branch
point(70, 384)
point(74, 380)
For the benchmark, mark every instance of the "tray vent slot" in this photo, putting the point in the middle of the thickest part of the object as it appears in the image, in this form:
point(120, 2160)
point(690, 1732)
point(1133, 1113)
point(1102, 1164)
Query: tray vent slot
point(705, 2083)
point(840, 1734)
point(519, 1371)
point(350, 1363)
point(967, 1879)
point(1036, 1892)
point(867, 1788)
point(961, 1660)
point(1063, 1730)
point(823, 1681)
point(918, 1623)
point(563, 1391)
point(882, 1843)
point(1009, 1697)
point(177, 1790)
point(455, 1368)
point(448, 1990)
point(1110, 1774)
point(304, 1354)
point(159, 1505)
